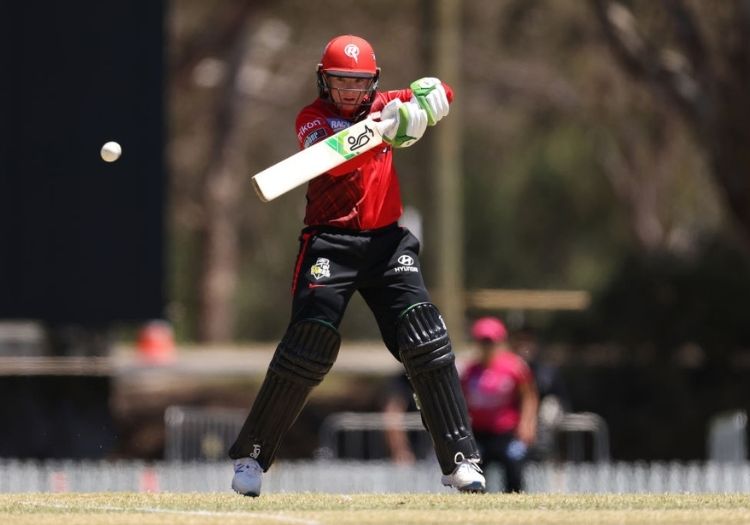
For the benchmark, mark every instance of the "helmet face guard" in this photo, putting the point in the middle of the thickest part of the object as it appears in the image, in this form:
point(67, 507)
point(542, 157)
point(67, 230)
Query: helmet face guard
point(366, 95)
point(348, 56)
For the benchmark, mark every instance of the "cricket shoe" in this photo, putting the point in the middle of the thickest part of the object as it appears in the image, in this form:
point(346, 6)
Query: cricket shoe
point(467, 477)
point(248, 475)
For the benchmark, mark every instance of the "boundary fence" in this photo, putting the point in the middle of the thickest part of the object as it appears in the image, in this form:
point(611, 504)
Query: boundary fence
point(334, 476)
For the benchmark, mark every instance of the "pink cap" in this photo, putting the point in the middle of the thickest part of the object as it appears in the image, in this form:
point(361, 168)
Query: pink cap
point(489, 328)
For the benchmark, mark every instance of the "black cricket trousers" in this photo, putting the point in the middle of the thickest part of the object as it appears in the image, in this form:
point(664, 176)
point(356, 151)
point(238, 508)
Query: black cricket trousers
point(382, 264)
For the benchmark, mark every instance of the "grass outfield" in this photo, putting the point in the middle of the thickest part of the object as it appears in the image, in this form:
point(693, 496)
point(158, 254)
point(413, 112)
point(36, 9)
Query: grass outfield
point(390, 509)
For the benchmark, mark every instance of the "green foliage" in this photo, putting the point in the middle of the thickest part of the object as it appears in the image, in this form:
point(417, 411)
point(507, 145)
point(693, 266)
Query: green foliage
point(565, 158)
point(669, 301)
point(542, 216)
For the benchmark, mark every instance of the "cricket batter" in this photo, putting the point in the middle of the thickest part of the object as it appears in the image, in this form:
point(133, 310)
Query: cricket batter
point(352, 242)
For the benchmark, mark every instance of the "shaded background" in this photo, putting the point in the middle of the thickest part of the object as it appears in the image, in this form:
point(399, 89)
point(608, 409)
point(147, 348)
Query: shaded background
point(603, 149)
point(82, 241)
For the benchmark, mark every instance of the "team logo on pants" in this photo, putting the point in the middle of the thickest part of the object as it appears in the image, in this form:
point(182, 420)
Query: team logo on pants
point(321, 268)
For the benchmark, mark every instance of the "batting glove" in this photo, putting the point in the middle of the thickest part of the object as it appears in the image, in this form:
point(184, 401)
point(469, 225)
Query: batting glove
point(409, 123)
point(430, 94)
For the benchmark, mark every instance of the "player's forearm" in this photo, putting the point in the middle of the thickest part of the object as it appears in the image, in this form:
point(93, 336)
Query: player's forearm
point(529, 415)
point(529, 410)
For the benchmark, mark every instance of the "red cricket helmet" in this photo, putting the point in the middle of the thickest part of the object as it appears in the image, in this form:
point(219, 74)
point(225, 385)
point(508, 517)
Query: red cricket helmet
point(350, 56)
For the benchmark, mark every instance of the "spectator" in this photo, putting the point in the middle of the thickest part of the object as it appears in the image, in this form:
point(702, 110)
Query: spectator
point(553, 395)
point(502, 401)
point(399, 400)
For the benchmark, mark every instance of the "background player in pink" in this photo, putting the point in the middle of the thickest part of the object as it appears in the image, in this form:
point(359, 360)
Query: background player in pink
point(502, 401)
point(352, 242)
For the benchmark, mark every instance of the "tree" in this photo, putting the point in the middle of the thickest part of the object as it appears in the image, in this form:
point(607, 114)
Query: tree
point(696, 57)
point(220, 59)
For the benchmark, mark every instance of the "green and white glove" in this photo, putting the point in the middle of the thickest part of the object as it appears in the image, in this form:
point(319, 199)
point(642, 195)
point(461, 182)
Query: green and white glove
point(409, 123)
point(430, 94)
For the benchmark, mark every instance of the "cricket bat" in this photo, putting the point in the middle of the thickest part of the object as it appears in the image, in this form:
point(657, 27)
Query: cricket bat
point(319, 158)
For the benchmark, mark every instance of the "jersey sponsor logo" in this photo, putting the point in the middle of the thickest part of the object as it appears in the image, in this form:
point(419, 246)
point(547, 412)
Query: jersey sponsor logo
point(407, 264)
point(321, 268)
point(315, 136)
point(337, 124)
point(352, 51)
point(307, 126)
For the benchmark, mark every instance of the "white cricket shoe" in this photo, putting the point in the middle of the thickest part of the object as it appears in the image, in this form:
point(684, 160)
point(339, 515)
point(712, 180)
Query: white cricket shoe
point(467, 477)
point(247, 477)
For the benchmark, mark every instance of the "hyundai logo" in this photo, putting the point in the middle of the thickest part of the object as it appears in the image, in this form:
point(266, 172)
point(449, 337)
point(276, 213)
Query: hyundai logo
point(405, 260)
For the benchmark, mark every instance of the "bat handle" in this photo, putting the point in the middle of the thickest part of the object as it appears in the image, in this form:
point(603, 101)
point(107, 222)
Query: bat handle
point(383, 125)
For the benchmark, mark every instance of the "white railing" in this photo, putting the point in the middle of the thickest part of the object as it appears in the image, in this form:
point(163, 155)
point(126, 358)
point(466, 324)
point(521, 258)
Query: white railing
point(204, 434)
point(332, 476)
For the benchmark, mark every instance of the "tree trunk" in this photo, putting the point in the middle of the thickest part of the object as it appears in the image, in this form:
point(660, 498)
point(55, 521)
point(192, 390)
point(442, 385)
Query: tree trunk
point(218, 276)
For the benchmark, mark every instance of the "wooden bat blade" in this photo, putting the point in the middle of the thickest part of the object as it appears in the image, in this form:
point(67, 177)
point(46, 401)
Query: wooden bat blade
point(318, 158)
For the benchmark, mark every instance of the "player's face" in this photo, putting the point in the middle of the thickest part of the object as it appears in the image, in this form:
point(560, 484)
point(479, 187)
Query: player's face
point(488, 348)
point(348, 92)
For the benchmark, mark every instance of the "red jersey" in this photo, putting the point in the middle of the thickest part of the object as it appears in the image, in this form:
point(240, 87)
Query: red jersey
point(492, 392)
point(362, 193)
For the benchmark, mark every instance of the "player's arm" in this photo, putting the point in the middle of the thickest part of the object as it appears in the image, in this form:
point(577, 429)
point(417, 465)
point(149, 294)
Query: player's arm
point(529, 409)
